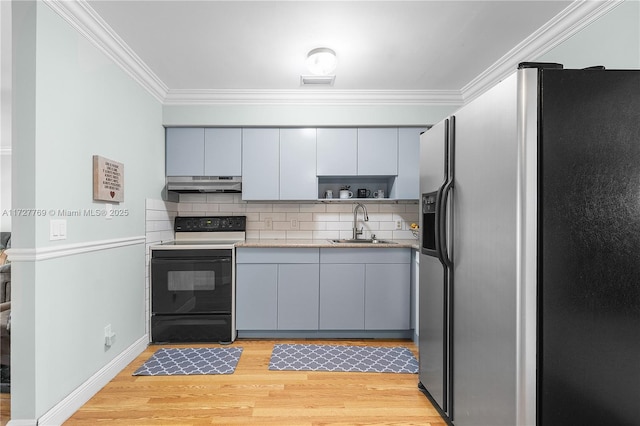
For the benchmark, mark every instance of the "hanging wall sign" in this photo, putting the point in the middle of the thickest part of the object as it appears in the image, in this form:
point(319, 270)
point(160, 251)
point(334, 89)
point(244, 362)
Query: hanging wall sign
point(108, 180)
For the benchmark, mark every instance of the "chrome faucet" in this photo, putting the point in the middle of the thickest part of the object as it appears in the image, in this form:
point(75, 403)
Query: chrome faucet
point(355, 220)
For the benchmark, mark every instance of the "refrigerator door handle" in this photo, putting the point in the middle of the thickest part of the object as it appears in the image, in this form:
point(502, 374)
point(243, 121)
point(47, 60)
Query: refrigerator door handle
point(443, 248)
point(438, 221)
point(446, 191)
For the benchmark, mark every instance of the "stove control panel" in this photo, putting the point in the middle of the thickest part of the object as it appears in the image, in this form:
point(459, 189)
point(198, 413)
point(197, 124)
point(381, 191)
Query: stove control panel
point(210, 223)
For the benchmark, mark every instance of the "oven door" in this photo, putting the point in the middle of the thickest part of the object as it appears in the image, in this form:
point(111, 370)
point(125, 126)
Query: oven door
point(198, 281)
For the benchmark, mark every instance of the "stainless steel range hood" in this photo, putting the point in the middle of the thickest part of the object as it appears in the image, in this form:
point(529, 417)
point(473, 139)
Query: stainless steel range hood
point(198, 184)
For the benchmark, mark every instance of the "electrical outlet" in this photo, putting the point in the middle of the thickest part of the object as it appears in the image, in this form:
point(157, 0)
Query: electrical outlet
point(294, 223)
point(268, 223)
point(398, 225)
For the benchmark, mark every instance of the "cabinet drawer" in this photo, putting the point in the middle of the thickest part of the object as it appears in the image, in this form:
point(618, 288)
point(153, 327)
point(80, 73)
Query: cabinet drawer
point(277, 255)
point(365, 255)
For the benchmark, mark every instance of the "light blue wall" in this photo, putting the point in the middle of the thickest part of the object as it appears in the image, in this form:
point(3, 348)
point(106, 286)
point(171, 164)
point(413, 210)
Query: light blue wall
point(612, 41)
point(71, 102)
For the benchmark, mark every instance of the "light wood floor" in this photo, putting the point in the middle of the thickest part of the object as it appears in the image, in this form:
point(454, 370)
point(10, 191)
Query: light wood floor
point(255, 395)
point(5, 408)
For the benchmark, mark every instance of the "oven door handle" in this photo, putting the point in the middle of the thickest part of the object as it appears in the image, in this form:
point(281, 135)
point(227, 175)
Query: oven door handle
point(165, 260)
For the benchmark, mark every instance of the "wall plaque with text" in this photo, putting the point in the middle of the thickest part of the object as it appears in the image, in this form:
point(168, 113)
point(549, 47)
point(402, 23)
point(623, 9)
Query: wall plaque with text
point(108, 180)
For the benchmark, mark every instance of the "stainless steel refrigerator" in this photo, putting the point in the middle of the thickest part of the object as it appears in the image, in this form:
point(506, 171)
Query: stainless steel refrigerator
point(529, 296)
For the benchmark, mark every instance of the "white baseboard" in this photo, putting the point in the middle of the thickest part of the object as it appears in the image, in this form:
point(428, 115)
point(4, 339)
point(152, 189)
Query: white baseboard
point(76, 399)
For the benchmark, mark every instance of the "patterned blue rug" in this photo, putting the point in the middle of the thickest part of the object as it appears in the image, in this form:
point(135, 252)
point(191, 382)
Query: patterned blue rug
point(365, 359)
point(186, 361)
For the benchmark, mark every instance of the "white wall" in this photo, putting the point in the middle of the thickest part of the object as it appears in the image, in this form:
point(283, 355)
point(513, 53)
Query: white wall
point(70, 103)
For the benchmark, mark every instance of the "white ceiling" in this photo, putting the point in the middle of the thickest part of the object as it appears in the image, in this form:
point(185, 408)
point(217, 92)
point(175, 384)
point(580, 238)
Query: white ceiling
point(240, 46)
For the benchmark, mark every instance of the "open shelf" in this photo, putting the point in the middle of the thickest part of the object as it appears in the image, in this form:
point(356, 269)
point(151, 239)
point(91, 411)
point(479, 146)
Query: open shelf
point(369, 183)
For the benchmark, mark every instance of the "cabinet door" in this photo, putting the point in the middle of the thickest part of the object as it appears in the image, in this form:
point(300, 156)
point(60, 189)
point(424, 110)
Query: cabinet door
point(298, 296)
point(256, 297)
point(388, 297)
point(260, 164)
point(183, 151)
point(341, 297)
point(378, 151)
point(407, 183)
point(223, 152)
point(298, 180)
point(337, 152)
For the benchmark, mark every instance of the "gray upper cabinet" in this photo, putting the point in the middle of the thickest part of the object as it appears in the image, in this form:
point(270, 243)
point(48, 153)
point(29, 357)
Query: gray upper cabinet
point(223, 152)
point(299, 163)
point(407, 183)
point(183, 153)
point(196, 151)
point(358, 152)
point(337, 152)
point(298, 180)
point(260, 164)
point(378, 151)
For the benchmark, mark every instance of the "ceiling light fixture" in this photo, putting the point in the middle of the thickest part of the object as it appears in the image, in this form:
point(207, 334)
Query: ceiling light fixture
point(321, 61)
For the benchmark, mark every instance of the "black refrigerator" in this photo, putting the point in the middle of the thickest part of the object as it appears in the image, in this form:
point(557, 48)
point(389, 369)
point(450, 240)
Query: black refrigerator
point(529, 296)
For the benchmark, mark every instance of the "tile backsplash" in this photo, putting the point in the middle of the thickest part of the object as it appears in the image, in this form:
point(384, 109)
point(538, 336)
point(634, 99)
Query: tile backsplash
point(306, 220)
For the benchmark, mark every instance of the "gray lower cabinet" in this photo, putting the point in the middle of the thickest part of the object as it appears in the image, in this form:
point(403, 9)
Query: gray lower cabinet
point(365, 289)
point(388, 297)
point(277, 288)
point(298, 294)
point(340, 289)
point(256, 297)
point(342, 297)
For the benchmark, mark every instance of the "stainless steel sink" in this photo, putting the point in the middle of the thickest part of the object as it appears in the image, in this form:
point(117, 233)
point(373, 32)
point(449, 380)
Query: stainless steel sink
point(361, 241)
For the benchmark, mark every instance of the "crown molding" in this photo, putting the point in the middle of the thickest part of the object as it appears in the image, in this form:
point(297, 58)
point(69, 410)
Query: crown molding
point(88, 23)
point(313, 97)
point(572, 19)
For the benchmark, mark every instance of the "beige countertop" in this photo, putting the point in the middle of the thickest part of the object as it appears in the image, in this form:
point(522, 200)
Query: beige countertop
point(324, 243)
